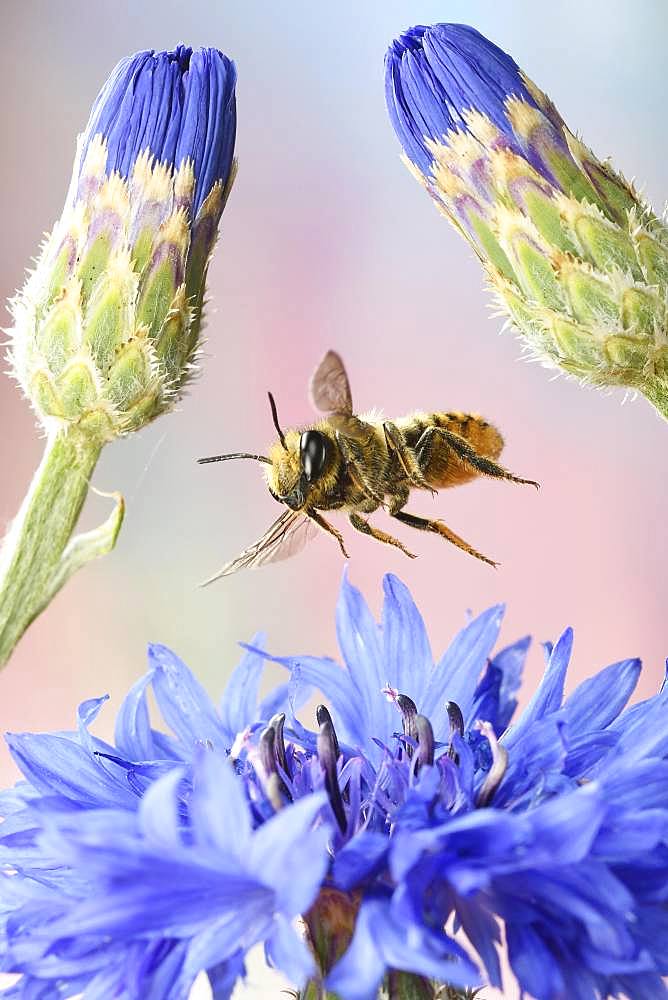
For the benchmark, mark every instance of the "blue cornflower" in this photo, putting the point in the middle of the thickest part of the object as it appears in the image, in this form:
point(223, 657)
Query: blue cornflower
point(403, 847)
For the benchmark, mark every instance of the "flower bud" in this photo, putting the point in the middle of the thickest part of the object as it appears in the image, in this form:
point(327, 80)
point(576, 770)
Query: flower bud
point(577, 260)
point(107, 326)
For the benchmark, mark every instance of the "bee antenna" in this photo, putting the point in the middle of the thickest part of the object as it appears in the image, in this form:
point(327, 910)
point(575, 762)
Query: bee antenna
point(237, 454)
point(274, 417)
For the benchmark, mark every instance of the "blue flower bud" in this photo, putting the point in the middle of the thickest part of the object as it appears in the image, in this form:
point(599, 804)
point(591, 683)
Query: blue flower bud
point(178, 105)
point(577, 260)
point(435, 74)
point(107, 327)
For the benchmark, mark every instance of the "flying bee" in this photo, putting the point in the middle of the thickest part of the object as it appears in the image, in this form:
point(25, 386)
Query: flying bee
point(358, 464)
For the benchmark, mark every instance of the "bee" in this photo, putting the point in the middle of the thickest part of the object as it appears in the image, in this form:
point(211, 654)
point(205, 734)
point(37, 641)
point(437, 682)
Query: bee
point(359, 464)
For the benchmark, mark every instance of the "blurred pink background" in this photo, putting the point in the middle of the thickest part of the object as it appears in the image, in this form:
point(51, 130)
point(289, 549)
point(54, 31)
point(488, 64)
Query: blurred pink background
point(327, 241)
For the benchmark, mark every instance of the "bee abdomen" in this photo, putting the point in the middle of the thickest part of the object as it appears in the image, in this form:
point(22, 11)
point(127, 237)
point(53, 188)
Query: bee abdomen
point(482, 435)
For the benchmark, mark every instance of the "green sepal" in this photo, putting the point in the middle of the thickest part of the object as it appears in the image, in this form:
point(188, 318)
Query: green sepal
point(143, 410)
point(142, 248)
point(201, 247)
point(171, 346)
point(94, 264)
point(536, 273)
point(568, 176)
point(492, 247)
point(616, 194)
point(59, 335)
point(43, 394)
point(592, 301)
point(131, 374)
point(627, 355)
point(157, 293)
point(642, 311)
point(546, 217)
point(105, 325)
point(61, 271)
point(606, 246)
point(576, 346)
point(76, 389)
point(653, 257)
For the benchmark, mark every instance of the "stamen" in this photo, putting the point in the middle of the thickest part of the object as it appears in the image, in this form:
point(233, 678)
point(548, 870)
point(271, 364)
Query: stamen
point(322, 715)
point(328, 753)
point(274, 785)
point(277, 723)
point(409, 712)
point(425, 741)
point(273, 788)
point(497, 770)
point(266, 748)
point(456, 726)
point(390, 693)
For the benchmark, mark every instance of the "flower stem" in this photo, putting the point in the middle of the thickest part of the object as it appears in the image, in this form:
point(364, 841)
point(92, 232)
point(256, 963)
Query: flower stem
point(34, 562)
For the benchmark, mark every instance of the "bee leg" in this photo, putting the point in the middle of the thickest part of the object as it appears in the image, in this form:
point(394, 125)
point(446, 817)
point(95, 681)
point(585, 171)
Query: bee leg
point(431, 524)
point(467, 454)
point(329, 528)
point(396, 443)
point(356, 472)
point(381, 536)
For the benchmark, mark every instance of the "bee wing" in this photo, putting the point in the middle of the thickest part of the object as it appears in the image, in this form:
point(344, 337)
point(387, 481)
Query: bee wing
point(287, 536)
point(329, 388)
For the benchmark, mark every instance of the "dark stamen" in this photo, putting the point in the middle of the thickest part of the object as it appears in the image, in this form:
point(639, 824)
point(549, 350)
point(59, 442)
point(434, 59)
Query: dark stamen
point(275, 787)
point(274, 791)
point(322, 715)
point(425, 741)
point(497, 770)
point(328, 753)
point(266, 748)
point(409, 712)
point(277, 723)
point(456, 726)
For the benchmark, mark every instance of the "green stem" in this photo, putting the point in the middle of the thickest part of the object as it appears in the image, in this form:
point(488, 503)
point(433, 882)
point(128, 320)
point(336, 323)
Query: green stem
point(32, 550)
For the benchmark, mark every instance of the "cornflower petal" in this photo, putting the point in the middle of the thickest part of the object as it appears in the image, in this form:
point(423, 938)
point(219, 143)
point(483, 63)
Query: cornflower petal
point(57, 764)
point(183, 702)
point(597, 701)
point(549, 694)
point(238, 707)
point(456, 676)
point(132, 733)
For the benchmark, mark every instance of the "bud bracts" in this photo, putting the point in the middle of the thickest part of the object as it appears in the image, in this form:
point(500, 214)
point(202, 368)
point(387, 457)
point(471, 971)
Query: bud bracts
point(574, 255)
point(107, 326)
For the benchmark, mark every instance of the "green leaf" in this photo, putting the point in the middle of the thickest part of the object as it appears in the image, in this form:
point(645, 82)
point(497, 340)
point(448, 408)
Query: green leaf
point(87, 546)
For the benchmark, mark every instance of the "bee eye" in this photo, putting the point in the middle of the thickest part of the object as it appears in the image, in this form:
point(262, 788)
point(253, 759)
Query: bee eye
point(313, 454)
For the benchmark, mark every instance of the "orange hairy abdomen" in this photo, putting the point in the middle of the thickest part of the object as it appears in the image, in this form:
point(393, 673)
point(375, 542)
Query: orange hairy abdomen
point(444, 468)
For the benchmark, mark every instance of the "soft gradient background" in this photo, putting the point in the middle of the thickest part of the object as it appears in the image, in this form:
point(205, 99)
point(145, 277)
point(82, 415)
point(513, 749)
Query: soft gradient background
point(328, 242)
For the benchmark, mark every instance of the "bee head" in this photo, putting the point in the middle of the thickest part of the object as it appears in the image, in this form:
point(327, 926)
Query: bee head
point(298, 462)
point(297, 467)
